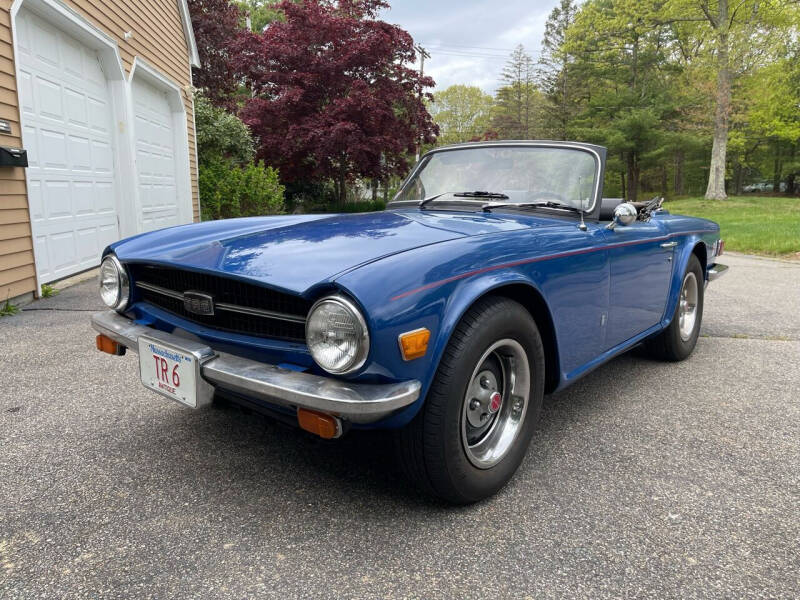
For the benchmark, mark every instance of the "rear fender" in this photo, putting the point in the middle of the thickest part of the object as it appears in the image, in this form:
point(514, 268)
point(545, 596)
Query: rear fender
point(691, 244)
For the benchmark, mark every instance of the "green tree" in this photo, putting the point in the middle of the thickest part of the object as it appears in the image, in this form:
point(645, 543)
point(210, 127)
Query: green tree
point(621, 55)
point(732, 36)
point(257, 13)
point(555, 72)
point(518, 106)
point(462, 113)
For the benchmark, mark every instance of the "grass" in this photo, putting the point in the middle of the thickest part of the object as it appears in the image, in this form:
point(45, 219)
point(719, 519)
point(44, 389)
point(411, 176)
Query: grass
point(750, 224)
point(7, 309)
point(48, 291)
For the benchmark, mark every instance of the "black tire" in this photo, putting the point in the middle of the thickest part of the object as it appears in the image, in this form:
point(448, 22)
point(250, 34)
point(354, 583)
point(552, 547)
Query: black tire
point(669, 345)
point(431, 451)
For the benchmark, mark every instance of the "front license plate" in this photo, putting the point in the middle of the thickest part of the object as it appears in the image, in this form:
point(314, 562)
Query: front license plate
point(169, 371)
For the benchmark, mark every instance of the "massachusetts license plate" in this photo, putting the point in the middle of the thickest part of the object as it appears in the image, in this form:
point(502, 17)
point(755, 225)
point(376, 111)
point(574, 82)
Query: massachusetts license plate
point(169, 371)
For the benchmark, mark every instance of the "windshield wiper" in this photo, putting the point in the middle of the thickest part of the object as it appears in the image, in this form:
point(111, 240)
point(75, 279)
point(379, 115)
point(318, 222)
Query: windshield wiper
point(488, 207)
point(477, 194)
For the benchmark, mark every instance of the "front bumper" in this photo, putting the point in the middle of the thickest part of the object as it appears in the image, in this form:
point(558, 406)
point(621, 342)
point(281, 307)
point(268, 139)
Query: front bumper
point(355, 402)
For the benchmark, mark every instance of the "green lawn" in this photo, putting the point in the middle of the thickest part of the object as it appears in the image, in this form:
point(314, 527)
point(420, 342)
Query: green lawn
point(755, 225)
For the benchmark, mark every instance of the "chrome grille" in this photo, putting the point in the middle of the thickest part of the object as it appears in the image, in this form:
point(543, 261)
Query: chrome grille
point(239, 307)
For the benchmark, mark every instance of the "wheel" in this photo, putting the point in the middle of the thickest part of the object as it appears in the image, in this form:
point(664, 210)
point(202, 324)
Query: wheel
point(472, 432)
point(678, 340)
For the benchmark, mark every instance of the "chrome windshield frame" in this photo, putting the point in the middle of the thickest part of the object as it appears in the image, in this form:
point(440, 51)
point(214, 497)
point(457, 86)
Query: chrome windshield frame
point(593, 151)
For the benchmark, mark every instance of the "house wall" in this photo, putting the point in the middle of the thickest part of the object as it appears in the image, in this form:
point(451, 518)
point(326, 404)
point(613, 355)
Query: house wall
point(157, 37)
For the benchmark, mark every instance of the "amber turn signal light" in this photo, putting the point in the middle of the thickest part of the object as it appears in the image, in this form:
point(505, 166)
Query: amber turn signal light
point(109, 346)
point(325, 426)
point(414, 344)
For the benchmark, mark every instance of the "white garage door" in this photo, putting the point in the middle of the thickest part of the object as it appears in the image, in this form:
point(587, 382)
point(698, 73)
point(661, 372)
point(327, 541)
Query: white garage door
point(67, 130)
point(155, 156)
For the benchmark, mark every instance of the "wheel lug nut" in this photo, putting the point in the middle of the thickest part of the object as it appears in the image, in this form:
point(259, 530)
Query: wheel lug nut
point(474, 404)
point(484, 383)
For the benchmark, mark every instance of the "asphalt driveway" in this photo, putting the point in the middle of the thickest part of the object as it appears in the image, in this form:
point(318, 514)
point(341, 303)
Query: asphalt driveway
point(644, 480)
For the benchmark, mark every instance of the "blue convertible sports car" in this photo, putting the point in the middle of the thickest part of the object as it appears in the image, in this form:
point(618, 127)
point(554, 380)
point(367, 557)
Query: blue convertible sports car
point(497, 274)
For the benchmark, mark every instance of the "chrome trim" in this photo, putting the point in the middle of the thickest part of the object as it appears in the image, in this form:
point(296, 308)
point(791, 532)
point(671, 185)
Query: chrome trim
point(245, 310)
point(670, 245)
point(355, 402)
point(257, 312)
point(360, 360)
point(160, 290)
point(716, 271)
point(124, 283)
point(506, 143)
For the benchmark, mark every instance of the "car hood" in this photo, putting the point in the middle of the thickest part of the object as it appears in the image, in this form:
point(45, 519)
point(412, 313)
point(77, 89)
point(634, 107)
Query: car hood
point(295, 253)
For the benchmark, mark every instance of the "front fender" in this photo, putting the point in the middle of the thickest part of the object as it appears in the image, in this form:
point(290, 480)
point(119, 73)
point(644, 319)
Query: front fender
point(439, 310)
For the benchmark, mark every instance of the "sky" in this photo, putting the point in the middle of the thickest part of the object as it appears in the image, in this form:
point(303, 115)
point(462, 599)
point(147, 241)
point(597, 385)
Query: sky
point(470, 40)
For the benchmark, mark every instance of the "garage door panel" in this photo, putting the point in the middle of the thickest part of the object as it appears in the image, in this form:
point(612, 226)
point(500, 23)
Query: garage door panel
point(57, 200)
point(75, 107)
point(62, 249)
point(104, 199)
point(102, 158)
point(44, 41)
point(67, 131)
point(79, 154)
point(48, 99)
point(53, 149)
point(26, 93)
point(99, 115)
point(31, 138)
point(72, 57)
point(155, 156)
point(84, 198)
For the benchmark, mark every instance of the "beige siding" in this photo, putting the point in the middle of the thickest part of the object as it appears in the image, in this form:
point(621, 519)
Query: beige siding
point(158, 38)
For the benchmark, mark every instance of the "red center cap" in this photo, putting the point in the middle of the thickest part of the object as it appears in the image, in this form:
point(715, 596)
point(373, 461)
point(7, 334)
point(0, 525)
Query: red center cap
point(495, 401)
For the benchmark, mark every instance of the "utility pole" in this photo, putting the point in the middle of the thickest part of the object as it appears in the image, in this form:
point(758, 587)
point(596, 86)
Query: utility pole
point(423, 54)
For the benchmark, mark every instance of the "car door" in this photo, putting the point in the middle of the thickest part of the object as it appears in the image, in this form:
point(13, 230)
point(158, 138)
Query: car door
point(640, 262)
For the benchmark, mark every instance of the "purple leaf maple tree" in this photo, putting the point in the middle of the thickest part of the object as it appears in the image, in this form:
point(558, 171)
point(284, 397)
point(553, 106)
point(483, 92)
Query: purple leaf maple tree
point(334, 93)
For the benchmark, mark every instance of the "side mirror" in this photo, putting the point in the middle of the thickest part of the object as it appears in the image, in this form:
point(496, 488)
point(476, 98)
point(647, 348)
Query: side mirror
point(625, 214)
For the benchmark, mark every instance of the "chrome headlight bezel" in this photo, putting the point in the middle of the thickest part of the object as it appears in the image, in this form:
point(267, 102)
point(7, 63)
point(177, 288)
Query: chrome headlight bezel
point(123, 284)
point(360, 357)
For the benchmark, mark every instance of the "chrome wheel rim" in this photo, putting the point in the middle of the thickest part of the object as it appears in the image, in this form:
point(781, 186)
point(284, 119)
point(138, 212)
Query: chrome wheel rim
point(687, 309)
point(495, 403)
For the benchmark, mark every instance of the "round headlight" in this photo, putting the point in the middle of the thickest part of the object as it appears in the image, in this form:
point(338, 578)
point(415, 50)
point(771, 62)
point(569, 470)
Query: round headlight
point(337, 336)
point(114, 284)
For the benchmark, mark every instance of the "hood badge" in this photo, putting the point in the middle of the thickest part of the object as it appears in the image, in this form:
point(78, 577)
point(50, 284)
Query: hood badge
point(198, 303)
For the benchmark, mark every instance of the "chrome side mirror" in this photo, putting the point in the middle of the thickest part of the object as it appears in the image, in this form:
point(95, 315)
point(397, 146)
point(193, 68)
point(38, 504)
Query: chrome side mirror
point(625, 214)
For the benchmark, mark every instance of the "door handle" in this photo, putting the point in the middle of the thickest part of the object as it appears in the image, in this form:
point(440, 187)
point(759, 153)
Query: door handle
point(668, 245)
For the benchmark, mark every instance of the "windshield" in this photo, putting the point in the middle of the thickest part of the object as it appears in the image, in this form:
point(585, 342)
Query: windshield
point(526, 174)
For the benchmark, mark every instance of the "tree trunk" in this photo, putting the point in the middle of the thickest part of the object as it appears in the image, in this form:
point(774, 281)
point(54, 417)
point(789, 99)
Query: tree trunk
point(374, 190)
point(663, 181)
point(738, 178)
point(633, 178)
point(778, 168)
point(677, 181)
point(719, 148)
point(622, 188)
point(342, 182)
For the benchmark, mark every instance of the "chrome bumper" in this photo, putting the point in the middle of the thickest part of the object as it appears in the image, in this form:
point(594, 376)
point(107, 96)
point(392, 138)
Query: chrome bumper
point(355, 402)
point(716, 271)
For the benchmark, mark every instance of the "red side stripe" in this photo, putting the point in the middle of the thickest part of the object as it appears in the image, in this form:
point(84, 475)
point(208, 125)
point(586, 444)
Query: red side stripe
point(528, 261)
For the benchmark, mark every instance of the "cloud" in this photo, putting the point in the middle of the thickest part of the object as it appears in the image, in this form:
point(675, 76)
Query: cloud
point(470, 40)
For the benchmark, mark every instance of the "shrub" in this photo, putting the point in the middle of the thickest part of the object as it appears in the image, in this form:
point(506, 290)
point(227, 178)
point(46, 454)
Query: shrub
point(221, 134)
point(229, 191)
